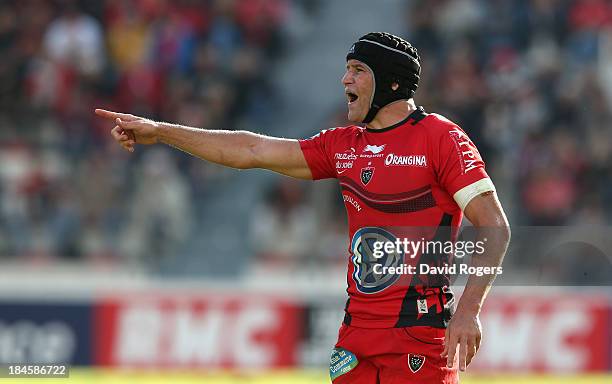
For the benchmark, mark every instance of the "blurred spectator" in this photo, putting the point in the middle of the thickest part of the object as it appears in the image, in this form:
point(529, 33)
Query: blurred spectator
point(262, 22)
point(159, 210)
point(128, 34)
point(76, 39)
point(283, 229)
point(17, 169)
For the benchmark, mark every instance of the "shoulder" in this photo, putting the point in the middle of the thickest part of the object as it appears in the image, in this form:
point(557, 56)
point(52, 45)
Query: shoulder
point(339, 132)
point(348, 130)
point(436, 125)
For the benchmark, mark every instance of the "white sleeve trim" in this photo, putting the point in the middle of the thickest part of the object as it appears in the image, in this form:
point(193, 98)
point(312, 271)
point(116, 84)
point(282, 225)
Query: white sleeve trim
point(466, 194)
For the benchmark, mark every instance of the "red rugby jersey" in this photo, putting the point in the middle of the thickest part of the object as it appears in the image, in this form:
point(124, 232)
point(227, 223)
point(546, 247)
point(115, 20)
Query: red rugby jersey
point(404, 181)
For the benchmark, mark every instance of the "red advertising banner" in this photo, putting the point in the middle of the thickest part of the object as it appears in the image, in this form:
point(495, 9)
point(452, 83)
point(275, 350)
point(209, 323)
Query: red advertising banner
point(545, 333)
point(556, 332)
point(192, 331)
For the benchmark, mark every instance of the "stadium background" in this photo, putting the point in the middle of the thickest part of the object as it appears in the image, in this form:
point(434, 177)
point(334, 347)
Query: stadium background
point(159, 261)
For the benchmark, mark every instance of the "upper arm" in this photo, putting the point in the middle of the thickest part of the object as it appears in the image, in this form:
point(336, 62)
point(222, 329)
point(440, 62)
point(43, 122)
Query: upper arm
point(280, 155)
point(305, 159)
point(485, 210)
point(487, 215)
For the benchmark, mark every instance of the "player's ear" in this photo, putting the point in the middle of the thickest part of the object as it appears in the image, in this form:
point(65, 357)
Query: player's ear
point(395, 86)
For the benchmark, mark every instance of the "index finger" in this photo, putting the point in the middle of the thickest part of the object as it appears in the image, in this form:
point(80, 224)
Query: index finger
point(113, 115)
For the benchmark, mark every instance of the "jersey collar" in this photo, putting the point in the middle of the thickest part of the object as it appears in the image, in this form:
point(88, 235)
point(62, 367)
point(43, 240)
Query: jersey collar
point(416, 115)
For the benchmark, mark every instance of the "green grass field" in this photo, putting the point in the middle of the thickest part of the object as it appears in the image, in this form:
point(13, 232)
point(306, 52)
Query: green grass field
point(95, 376)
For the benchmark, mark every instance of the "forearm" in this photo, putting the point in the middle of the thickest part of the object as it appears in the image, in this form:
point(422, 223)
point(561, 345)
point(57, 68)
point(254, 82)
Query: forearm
point(234, 149)
point(477, 287)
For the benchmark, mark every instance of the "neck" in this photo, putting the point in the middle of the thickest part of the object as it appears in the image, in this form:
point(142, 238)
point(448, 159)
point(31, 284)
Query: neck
point(392, 113)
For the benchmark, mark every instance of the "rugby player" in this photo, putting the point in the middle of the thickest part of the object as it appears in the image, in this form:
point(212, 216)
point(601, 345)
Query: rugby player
point(404, 168)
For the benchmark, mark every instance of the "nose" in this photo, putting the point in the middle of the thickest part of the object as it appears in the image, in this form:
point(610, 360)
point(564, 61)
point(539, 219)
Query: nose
point(347, 78)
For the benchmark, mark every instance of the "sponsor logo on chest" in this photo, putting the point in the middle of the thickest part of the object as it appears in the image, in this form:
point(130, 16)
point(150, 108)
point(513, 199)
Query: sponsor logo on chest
point(349, 154)
point(352, 201)
point(344, 160)
point(405, 160)
point(372, 151)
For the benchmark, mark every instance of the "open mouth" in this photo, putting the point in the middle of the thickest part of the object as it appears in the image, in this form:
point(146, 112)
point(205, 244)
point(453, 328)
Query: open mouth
point(351, 97)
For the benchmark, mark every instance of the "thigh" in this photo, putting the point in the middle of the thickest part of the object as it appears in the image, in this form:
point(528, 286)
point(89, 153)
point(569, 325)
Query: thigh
point(349, 361)
point(416, 358)
point(345, 368)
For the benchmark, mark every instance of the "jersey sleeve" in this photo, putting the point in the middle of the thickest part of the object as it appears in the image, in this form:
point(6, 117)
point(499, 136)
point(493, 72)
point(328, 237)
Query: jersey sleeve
point(318, 153)
point(459, 166)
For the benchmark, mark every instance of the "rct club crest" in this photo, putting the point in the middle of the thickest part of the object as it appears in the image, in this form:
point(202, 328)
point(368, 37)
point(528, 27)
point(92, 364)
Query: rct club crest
point(415, 362)
point(366, 175)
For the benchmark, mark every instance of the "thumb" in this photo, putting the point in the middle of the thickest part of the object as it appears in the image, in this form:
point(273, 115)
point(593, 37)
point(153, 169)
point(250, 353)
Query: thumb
point(126, 124)
point(127, 127)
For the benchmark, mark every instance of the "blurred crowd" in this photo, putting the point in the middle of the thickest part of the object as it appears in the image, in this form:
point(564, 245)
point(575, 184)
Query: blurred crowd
point(65, 190)
point(529, 80)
